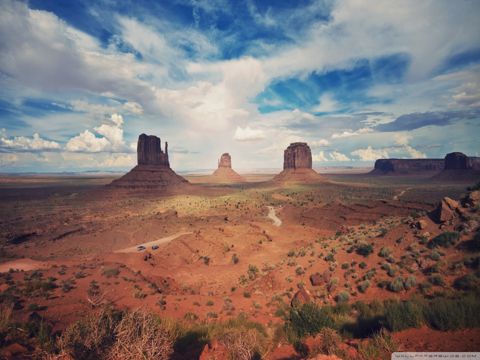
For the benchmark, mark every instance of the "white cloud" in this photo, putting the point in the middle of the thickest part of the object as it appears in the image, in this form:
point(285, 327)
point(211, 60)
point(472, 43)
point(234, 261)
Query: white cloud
point(133, 107)
point(370, 154)
point(350, 133)
point(326, 103)
point(87, 142)
point(7, 159)
point(248, 134)
point(338, 156)
point(35, 143)
point(319, 143)
point(320, 157)
point(402, 139)
point(119, 160)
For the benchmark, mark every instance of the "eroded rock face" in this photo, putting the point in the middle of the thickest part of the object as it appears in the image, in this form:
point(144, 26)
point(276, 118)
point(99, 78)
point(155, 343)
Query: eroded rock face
point(456, 160)
point(225, 161)
point(297, 156)
point(149, 151)
point(408, 165)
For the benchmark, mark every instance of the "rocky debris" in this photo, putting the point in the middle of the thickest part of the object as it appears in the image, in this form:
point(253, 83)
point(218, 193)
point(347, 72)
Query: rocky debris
point(225, 161)
point(153, 169)
point(446, 210)
point(149, 151)
point(316, 279)
point(473, 198)
point(407, 166)
point(224, 172)
point(421, 224)
point(301, 297)
point(297, 156)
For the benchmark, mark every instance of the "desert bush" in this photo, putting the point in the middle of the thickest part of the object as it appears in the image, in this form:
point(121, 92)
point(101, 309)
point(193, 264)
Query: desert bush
point(307, 319)
point(91, 337)
point(450, 314)
point(242, 344)
point(110, 271)
point(362, 265)
point(330, 341)
point(436, 280)
point(5, 319)
point(252, 272)
point(381, 346)
point(364, 249)
point(363, 286)
point(466, 282)
point(142, 335)
point(385, 252)
point(342, 297)
point(396, 285)
point(400, 315)
point(409, 282)
point(445, 239)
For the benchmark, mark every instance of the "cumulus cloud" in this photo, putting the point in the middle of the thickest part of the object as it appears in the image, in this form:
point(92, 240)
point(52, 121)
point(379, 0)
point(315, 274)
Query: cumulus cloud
point(24, 143)
point(248, 134)
point(320, 157)
point(336, 156)
point(319, 143)
point(111, 138)
point(326, 103)
point(370, 154)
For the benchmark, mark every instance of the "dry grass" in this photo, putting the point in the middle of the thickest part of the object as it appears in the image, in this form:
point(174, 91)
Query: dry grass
point(242, 344)
point(5, 317)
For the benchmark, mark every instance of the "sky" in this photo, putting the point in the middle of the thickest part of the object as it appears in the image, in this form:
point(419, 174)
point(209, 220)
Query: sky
point(356, 80)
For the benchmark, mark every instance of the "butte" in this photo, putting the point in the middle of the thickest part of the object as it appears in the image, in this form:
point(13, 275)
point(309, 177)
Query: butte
point(153, 168)
point(224, 173)
point(297, 165)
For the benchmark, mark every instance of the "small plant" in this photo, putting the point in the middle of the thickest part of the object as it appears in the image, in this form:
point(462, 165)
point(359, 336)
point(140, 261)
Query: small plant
point(247, 294)
point(396, 285)
point(446, 240)
point(362, 265)
point(467, 282)
point(110, 272)
point(436, 280)
point(363, 286)
point(342, 297)
point(209, 303)
point(364, 249)
point(252, 272)
point(385, 252)
point(299, 271)
point(400, 315)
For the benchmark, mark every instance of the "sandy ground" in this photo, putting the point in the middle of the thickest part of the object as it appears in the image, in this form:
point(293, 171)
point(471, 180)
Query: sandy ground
point(23, 265)
point(149, 244)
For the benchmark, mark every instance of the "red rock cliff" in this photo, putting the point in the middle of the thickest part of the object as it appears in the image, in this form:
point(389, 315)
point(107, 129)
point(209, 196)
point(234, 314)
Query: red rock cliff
point(149, 151)
point(297, 156)
point(225, 161)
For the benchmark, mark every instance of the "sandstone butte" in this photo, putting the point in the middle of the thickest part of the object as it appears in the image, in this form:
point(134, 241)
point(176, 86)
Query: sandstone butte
point(153, 168)
point(297, 165)
point(224, 172)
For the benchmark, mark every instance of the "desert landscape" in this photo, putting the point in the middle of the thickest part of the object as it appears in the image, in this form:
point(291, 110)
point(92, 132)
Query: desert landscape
point(293, 265)
point(239, 180)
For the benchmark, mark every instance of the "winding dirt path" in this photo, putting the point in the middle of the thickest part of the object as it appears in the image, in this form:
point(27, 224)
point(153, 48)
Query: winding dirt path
point(399, 195)
point(273, 216)
point(154, 242)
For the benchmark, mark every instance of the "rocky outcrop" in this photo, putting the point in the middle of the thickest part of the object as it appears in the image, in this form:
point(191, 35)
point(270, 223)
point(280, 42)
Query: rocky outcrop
point(153, 169)
point(297, 165)
point(408, 166)
point(446, 210)
point(224, 173)
point(297, 156)
point(460, 168)
point(301, 297)
point(225, 161)
point(149, 151)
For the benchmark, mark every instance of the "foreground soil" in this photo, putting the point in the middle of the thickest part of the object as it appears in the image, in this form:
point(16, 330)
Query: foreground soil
point(215, 251)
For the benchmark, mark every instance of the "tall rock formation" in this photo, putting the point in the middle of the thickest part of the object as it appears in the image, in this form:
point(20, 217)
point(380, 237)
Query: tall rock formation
point(224, 172)
point(153, 168)
point(297, 165)
point(297, 156)
point(460, 167)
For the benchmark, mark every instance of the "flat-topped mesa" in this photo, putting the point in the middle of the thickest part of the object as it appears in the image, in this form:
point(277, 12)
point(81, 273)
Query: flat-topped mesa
point(408, 165)
point(460, 161)
point(225, 161)
point(297, 156)
point(149, 151)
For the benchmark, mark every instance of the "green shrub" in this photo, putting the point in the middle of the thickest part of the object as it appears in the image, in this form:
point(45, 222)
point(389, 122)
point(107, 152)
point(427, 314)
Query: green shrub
point(466, 282)
point(436, 280)
point(445, 239)
point(396, 285)
point(362, 265)
point(385, 252)
point(252, 272)
point(400, 315)
point(409, 282)
point(307, 319)
point(450, 314)
point(342, 297)
point(363, 286)
point(110, 271)
point(364, 249)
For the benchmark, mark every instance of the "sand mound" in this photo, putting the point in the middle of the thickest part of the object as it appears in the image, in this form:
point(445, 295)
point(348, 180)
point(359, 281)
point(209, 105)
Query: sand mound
point(298, 175)
point(226, 175)
point(149, 177)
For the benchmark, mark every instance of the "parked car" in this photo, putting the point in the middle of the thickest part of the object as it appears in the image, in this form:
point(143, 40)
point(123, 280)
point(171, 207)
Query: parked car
point(154, 247)
point(141, 248)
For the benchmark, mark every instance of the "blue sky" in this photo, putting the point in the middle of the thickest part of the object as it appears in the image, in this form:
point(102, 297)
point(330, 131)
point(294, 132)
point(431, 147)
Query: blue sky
point(80, 80)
